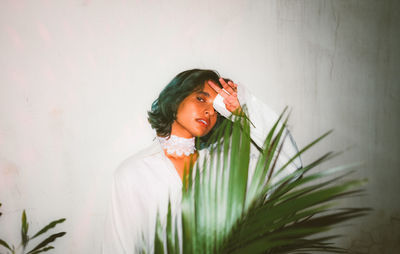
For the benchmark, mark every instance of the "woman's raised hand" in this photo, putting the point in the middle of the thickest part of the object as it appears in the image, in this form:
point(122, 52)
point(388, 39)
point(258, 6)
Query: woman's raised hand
point(229, 94)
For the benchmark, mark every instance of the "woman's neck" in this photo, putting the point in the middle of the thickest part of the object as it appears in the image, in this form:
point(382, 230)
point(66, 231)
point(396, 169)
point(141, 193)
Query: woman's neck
point(180, 151)
point(178, 146)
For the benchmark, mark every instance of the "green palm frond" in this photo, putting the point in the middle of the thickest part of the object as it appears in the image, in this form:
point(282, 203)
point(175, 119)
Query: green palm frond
point(225, 212)
point(25, 238)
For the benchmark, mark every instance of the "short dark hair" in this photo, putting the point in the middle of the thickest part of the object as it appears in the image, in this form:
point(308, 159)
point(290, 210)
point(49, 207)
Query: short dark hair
point(164, 108)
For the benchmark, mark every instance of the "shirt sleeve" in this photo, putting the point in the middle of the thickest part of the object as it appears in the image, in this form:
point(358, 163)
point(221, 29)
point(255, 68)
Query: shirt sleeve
point(263, 119)
point(126, 217)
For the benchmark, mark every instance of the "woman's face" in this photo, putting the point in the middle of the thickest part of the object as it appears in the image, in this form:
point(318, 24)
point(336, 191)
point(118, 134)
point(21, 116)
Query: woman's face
point(196, 116)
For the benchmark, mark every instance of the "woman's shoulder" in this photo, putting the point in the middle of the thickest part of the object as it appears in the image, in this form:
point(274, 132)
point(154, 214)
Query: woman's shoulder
point(137, 163)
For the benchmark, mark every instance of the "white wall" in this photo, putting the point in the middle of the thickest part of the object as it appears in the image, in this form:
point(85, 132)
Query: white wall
point(77, 77)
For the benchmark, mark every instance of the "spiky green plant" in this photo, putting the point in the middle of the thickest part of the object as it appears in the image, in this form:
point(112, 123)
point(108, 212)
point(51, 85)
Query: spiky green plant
point(25, 238)
point(221, 213)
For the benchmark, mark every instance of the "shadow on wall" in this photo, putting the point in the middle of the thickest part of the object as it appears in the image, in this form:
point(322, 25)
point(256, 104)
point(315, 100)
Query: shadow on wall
point(379, 235)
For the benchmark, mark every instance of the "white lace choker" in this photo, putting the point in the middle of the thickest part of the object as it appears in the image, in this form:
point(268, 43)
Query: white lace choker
point(177, 145)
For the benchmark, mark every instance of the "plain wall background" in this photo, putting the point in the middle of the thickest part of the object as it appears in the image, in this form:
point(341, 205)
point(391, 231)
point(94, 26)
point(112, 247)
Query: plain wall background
point(77, 77)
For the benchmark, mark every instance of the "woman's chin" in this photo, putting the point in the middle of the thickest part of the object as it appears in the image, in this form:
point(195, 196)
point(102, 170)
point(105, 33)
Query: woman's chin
point(199, 134)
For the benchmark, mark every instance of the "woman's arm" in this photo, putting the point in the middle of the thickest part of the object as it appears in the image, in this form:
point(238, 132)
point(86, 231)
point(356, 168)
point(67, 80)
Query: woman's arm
point(125, 218)
point(262, 120)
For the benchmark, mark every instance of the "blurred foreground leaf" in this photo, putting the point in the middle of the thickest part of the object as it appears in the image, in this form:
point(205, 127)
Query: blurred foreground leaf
point(277, 212)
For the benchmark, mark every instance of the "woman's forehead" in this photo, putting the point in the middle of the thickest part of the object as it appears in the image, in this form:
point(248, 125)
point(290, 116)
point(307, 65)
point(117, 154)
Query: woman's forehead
point(207, 90)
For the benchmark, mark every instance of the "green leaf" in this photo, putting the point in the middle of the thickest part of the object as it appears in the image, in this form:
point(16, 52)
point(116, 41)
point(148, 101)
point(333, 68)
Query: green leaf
point(24, 230)
point(42, 250)
point(4, 244)
point(221, 214)
point(262, 167)
point(48, 240)
point(304, 149)
point(170, 236)
point(49, 226)
point(158, 240)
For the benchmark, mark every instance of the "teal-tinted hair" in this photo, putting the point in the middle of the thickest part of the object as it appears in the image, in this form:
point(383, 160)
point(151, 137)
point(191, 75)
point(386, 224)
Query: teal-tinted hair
point(164, 108)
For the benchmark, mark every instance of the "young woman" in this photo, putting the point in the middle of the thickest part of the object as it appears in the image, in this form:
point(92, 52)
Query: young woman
point(190, 106)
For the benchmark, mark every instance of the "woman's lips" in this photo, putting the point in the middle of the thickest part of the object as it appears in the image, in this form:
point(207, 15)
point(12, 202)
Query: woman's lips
point(202, 122)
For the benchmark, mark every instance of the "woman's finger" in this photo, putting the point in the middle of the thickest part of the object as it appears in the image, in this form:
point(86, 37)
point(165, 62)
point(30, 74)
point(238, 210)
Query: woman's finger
point(226, 86)
point(233, 85)
point(218, 89)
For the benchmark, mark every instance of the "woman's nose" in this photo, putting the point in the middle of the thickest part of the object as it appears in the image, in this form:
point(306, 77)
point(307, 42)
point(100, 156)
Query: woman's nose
point(210, 110)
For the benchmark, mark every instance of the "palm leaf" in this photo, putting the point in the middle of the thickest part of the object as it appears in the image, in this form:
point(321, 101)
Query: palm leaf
point(41, 247)
point(158, 240)
point(49, 226)
point(5, 244)
point(221, 213)
point(24, 230)
point(46, 241)
point(42, 250)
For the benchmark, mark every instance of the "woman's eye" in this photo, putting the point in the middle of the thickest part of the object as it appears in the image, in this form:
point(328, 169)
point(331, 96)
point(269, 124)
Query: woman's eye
point(200, 99)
